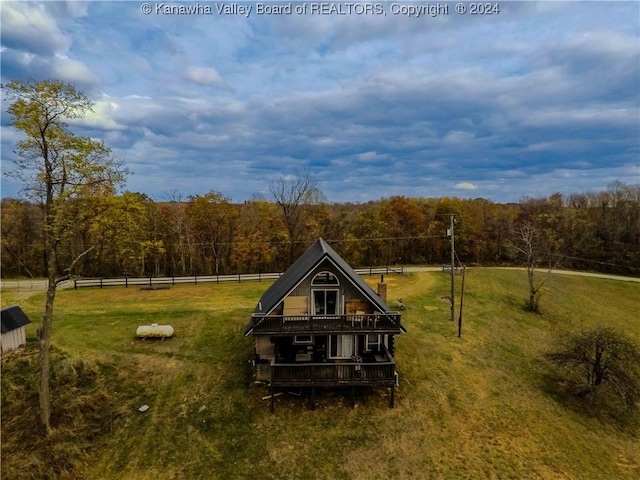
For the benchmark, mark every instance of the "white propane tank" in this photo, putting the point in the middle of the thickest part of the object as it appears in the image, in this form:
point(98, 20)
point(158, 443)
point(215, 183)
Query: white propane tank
point(154, 331)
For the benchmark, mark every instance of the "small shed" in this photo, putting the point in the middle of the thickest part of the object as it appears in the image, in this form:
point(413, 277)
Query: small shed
point(12, 328)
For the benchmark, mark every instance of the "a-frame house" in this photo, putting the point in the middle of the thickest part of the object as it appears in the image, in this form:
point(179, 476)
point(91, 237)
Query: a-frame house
point(321, 325)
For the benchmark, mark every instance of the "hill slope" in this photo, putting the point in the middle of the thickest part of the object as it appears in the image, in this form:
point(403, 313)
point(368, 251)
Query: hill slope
point(480, 406)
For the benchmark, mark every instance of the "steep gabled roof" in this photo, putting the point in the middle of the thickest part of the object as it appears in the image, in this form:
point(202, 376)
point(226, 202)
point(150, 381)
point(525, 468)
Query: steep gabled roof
point(303, 266)
point(12, 317)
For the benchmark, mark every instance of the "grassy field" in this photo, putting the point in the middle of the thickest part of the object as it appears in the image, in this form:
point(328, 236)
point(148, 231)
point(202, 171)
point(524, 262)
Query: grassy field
point(480, 406)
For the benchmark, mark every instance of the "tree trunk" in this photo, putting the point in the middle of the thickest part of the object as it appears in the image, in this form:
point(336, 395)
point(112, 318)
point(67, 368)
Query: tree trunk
point(598, 371)
point(532, 304)
point(44, 335)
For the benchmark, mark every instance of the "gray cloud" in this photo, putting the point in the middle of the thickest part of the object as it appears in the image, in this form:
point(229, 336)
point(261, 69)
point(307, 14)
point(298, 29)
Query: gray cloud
point(26, 24)
point(534, 101)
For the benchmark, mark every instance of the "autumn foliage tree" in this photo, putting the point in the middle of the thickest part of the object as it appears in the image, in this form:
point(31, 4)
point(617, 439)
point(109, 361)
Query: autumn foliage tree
point(212, 219)
point(58, 170)
point(204, 234)
point(20, 236)
point(258, 236)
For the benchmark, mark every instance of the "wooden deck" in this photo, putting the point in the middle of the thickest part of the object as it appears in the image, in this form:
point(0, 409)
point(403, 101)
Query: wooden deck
point(332, 374)
point(323, 324)
point(374, 370)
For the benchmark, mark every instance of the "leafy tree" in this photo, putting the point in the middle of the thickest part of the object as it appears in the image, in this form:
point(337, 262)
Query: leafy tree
point(405, 222)
point(21, 237)
point(57, 169)
point(257, 236)
point(129, 236)
point(367, 233)
point(599, 359)
point(176, 220)
point(440, 248)
point(153, 247)
point(212, 220)
point(488, 227)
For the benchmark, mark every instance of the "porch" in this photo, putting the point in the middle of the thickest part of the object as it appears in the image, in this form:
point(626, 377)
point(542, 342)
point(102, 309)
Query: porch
point(377, 369)
point(368, 369)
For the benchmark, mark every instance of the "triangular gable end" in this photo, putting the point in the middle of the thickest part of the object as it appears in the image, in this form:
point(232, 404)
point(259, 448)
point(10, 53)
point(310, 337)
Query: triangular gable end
point(300, 270)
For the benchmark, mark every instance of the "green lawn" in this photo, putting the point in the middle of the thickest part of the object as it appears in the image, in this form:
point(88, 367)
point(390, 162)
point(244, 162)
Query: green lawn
point(480, 406)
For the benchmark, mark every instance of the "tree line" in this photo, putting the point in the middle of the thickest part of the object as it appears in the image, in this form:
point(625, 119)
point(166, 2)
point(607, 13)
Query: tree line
point(132, 235)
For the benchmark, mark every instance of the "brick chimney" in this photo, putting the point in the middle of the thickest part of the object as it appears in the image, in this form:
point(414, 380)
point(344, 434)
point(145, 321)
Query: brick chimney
point(382, 288)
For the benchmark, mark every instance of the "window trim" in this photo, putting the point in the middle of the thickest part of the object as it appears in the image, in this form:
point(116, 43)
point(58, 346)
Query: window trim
point(323, 284)
point(325, 290)
point(368, 346)
point(297, 341)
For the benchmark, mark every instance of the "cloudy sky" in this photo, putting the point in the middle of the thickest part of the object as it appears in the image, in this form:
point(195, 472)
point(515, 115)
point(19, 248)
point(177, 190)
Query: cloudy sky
point(541, 97)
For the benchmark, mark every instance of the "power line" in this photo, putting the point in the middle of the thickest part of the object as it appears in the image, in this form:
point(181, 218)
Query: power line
point(288, 242)
point(587, 260)
point(385, 239)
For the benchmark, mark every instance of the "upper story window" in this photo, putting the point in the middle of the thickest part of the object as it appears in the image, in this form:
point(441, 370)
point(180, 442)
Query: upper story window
point(325, 294)
point(325, 279)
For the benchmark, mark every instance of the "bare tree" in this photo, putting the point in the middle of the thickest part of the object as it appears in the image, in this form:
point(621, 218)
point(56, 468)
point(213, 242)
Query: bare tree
point(296, 195)
point(537, 249)
point(58, 169)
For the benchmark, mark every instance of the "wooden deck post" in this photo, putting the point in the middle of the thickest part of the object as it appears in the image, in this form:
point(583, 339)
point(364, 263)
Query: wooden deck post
point(273, 397)
point(312, 398)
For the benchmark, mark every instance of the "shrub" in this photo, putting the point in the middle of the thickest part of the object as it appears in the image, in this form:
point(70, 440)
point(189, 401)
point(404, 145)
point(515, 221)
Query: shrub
point(602, 362)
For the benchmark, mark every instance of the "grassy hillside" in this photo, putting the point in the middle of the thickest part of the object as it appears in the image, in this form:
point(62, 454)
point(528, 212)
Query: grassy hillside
point(480, 406)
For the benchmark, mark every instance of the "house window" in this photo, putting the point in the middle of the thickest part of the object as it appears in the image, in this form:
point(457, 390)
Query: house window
point(372, 343)
point(303, 340)
point(341, 346)
point(324, 299)
point(325, 302)
point(325, 278)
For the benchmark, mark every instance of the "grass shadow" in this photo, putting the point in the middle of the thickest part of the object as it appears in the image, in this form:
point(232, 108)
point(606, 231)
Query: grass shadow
point(603, 408)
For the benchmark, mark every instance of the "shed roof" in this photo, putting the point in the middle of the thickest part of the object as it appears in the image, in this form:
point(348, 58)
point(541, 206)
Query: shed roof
point(318, 252)
point(13, 317)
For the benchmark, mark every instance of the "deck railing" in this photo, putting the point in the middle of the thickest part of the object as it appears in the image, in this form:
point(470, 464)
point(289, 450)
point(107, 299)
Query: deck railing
point(330, 374)
point(318, 324)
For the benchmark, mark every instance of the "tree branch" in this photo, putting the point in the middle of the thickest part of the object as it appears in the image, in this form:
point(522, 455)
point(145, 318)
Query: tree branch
point(67, 276)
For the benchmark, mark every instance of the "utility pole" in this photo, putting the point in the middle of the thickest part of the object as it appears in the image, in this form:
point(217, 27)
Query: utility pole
point(461, 303)
point(453, 264)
